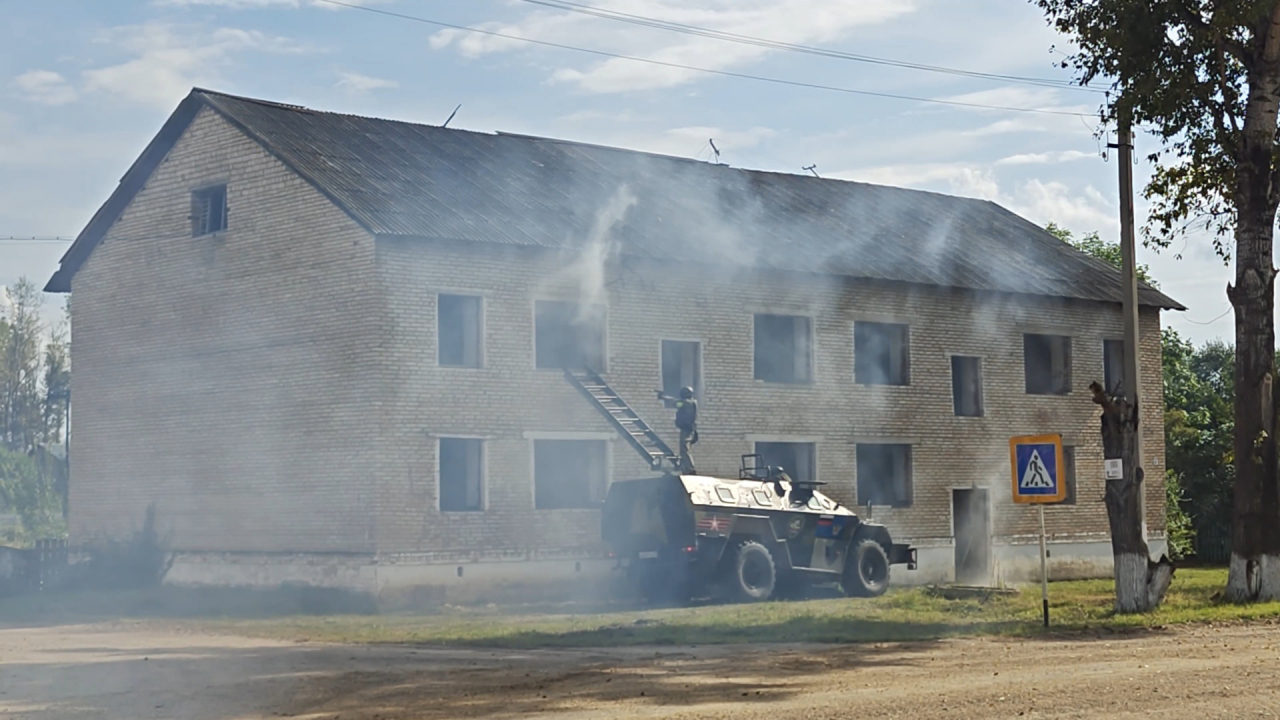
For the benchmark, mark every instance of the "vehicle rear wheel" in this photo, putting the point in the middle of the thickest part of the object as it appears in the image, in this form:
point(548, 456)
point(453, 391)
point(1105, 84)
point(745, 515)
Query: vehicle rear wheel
point(866, 572)
point(750, 575)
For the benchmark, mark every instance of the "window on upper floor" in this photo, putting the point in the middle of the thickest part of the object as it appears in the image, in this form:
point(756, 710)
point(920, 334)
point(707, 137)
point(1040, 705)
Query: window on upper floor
point(881, 353)
point(459, 331)
point(783, 348)
point(966, 386)
point(884, 474)
point(1113, 365)
point(1047, 360)
point(208, 210)
point(461, 475)
point(569, 473)
point(569, 335)
point(798, 459)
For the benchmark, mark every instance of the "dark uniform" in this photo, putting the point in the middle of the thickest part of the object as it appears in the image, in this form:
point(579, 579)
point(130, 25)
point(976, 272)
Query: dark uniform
point(687, 423)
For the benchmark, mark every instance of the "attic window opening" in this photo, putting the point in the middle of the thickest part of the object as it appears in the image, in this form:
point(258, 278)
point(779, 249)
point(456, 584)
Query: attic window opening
point(208, 210)
point(966, 386)
point(1113, 366)
point(459, 331)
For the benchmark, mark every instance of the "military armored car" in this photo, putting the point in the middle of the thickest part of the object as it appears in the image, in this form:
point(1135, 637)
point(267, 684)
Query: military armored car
point(680, 536)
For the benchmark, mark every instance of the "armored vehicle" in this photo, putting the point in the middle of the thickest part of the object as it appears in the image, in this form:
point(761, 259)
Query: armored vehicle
point(679, 536)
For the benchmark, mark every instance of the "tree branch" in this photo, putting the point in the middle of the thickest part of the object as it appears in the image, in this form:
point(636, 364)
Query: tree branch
point(1193, 20)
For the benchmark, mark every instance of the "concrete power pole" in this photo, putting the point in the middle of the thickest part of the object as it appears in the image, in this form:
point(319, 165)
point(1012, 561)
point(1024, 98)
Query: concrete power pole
point(1129, 271)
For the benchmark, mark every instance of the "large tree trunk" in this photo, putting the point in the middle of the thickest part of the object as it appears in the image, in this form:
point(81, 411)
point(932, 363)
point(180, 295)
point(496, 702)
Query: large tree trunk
point(1255, 537)
point(1140, 583)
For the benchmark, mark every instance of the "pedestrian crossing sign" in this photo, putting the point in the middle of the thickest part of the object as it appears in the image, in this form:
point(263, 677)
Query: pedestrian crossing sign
point(1036, 461)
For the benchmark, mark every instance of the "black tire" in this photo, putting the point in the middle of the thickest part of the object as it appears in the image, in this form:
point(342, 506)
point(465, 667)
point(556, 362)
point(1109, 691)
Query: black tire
point(866, 571)
point(750, 574)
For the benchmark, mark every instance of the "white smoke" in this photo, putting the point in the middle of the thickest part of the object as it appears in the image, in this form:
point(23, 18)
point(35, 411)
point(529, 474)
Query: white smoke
point(588, 270)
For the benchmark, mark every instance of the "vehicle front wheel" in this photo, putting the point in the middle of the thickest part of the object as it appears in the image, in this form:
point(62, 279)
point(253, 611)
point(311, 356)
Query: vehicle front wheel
point(866, 572)
point(751, 575)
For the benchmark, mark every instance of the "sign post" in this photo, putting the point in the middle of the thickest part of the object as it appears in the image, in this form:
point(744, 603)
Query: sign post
point(1036, 462)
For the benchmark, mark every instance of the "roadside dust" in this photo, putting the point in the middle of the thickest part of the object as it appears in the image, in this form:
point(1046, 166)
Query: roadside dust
point(163, 671)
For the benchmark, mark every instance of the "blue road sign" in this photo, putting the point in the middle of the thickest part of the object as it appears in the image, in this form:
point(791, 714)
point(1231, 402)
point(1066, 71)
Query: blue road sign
point(1036, 461)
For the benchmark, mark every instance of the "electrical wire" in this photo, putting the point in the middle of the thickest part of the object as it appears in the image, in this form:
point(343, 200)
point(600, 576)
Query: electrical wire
point(1224, 314)
point(709, 71)
point(695, 30)
point(36, 239)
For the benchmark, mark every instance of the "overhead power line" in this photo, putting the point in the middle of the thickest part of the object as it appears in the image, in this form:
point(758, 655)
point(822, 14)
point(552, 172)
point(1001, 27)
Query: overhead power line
point(35, 239)
point(709, 71)
point(698, 31)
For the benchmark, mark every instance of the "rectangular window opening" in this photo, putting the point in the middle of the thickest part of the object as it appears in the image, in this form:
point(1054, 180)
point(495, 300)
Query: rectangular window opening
point(799, 460)
point(1113, 365)
point(783, 349)
point(1069, 474)
point(1047, 361)
point(208, 210)
point(681, 368)
point(569, 473)
point(884, 474)
point(881, 353)
point(461, 475)
point(966, 385)
point(458, 331)
point(569, 335)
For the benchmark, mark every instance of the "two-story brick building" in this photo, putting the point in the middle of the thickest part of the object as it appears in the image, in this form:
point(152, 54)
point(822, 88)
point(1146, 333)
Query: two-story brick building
point(328, 348)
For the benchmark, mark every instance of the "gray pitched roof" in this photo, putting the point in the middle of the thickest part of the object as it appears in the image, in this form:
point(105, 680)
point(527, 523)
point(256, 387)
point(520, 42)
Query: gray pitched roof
point(403, 179)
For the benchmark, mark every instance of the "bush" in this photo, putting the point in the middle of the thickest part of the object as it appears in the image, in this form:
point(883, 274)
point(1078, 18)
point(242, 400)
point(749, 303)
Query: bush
point(1178, 530)
point(31, 494)
point(142, 561)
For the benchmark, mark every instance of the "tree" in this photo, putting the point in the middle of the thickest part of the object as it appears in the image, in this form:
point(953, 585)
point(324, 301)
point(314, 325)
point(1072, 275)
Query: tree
point(1204, 75)
point(1094, 245)
point(1140, 583)
point(21, 404)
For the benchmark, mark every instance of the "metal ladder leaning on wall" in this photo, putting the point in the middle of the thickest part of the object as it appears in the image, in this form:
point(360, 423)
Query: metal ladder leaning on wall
point(636, 431)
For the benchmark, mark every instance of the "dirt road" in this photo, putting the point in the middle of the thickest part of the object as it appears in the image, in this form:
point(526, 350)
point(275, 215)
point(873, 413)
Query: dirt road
point(126, 671)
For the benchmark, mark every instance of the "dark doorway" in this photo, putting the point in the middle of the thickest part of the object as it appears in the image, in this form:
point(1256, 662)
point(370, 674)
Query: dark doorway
point(971, 511)
point(681, 367)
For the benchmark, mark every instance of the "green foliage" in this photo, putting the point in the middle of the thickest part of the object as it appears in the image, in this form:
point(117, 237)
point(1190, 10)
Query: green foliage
point(1199, 422)
point(1182, 69)
point(1092, 244)
point(1178, 531)
point(35, 382)
point(142, 561)
point(30, 494)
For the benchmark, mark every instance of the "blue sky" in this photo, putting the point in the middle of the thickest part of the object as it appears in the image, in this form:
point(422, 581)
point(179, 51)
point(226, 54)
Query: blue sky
point(84, 84)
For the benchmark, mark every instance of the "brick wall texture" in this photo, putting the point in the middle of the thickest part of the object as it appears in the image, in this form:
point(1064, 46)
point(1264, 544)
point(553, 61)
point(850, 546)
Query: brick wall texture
point(274, 388)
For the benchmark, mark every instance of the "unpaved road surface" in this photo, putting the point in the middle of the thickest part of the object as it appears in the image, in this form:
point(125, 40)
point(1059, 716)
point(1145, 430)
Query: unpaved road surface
point(129, 672)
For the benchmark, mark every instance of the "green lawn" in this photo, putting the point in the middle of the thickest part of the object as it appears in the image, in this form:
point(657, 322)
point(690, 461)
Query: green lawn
point(902, 614)
point(906, 614)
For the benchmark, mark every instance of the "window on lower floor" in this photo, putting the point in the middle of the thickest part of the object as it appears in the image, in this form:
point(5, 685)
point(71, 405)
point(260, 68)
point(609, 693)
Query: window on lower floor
point(458, 330)
point(461, 475)
point(881, 354)
point(884, 474)
point(1113, 365)
point(569, 335)
point(783, 348)
point(569, 473)
point(798, 459)
point(1069, 474)
point(966, 385)
point(1047, 360)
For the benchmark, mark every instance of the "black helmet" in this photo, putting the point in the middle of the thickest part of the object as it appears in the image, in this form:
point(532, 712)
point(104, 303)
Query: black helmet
point(686, 392)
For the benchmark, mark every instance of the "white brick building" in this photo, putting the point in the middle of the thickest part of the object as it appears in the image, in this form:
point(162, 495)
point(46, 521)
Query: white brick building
point(328, 349)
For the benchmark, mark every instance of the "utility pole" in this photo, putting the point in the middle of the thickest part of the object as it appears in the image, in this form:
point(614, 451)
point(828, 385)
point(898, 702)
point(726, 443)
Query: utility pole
point(1129, 271)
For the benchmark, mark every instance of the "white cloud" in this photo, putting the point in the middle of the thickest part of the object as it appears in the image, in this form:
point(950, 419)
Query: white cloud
point(792, 21)
point(356, 83)
point(44, 87)
point(1045, 158)
point(169, 60)
point(258, 4)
